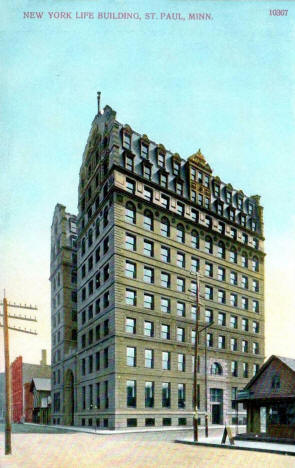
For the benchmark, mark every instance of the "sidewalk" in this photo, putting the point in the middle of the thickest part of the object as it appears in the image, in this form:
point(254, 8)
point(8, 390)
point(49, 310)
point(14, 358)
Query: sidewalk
point(269, 447)
point(92, 430)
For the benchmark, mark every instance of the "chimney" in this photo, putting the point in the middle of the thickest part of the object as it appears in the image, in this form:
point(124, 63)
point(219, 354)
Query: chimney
point(43, 357)
point(98, 101)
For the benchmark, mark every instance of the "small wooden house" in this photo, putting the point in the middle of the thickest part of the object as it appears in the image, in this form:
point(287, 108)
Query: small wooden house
point(270, 399)
point(41, 389)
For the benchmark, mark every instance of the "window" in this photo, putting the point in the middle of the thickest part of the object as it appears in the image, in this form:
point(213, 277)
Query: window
point(148, 248)
point(221, 250)
point(166, 360)
point(149, 394)
point(234, 321)
point(221, 342)
point(208, 245)
point(179, 188)
point(83, 366)
point(245, 370)
point(163, 179)
point(161, 159)
point(244, 260)
point(165, 280)
point(181, 309)
point(180, 334)
point(245, 324)
point(245, 303)
point(130, 269)
point(130, 242)
point(200, 199)
point(195, 239)
point(180, 260)
point(193, 337)
point(165, 201)
point(207, 203)
point(131, 356)
point(165, 305)
point(221, 274)
point(255, 285)
point(216, 369)
point(90, 238)
point(234, 369)
point(231, 215)
point(180, 236)
point(148, 301)
point(144, 151)
point(147, 172)
point(148, 274)
point(233, 344)
point(233, 256)
point(234, 392)
point(166, 394)
point(256, 243)
point(244, 346)
point(193, 287)
point(165, 254)
point(148, 328)
point(149, 358)
point(130, 213)
point(148, 221)
point(106, 357)
point(255, 306)
point(208, 293)
point(130, 186)
point(195, 215)
point(233, 233)
point(181, 396)
point(221, 296)
point(208, 269)
point(255, 369)
point(221, 227)
point(221, 319)
point(255, 348)
point(97, 306)
point(148, 193)
point(131, 393)
point(255, 326)
point(165, 332)
point(208, 222)
point(219, 209)
point(180, 208)
point(90, 263)
point(244, 238)
point(130, 297)
point(181, 362)
point(180, 284)
point(176, 167)
point(97, 332)
point(97, 280)
point(105, 216)
point(216, 189)
point(195, 265)
point(130, 325)
point(234, 300)
point(209, 340)
point(126, 140)
point(244, 282)
point(165, 227)
point(255, 264)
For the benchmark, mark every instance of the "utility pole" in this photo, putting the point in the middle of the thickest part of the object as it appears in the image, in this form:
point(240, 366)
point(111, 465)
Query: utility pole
point(195, 400)
point(6, 327)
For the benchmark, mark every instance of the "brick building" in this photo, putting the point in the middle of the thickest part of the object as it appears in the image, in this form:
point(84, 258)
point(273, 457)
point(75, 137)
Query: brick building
point(22, 374)
point(149, 221)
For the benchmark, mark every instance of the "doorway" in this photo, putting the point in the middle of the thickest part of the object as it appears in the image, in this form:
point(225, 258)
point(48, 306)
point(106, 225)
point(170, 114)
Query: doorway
point(216, 400)
point(69, 398)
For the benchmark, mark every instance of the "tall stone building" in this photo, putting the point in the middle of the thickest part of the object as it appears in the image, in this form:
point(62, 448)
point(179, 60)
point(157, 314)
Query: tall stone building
point(148, 222)
point(63, 277)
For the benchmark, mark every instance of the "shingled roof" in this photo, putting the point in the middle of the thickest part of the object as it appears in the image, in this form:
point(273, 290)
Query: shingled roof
point(287, 361)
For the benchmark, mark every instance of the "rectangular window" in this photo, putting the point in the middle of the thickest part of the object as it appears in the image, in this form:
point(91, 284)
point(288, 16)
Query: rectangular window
point(181, 362)
point(181, 396)
point(208, 315)
point(165, 305)
point(130, 297)
point(221, 342)
point(148, 301)
point(165, 332)
point(130, 242)
point(106, 357)
point(176, 168)
point(255, 306)
point(233, 344)
point(208, 293)
point(144, 151)
point(180, 208)
point(97, 360)
point(165, 280)
point(180, 284)
point(234, 369)
point(210, 340)
point(130, 325)
point(181, 309)
point(148, 248)
point(180, 334)
point(255, 285)
point(194, 196)
point(221, 319)
point(131, 356)
point(165, 254)
point(245, 303)
point(130, 186)
point(147, 172)
point(193, 337)
point(245, 370)
point(149, 358)
point(255, 369)
point(148, 194)
point(234, 321)
point(233, 300)
point(221, 274)
point(195, 265)
point(163, 180)
point(244, 346)
point(149, 394)
point(234, 392)
point(166, 394)
point(148, 275)
point(233, 278)
point(165, 201)
point(166, 360)
point(233, 233)
point(221, 296)
point(255, 347)
point(180, 260)
point(148, 328)
point(131, 393)
point(130, 269)
point(179, 188)
point(161, 159)
point(200, 199)
point(255, 326)
point(208, 269)
point(193, 312)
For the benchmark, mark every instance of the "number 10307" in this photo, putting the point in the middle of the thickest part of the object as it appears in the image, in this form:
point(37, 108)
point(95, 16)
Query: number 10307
point(278, 12)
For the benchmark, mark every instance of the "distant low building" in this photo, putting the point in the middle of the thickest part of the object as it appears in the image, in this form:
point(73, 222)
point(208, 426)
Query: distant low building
point(270, 399)
point(40, 389)
point(21, 374)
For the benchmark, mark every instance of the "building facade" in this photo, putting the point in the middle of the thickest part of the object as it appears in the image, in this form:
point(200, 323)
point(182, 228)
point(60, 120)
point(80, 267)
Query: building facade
point(148, 222)
point(22, 374)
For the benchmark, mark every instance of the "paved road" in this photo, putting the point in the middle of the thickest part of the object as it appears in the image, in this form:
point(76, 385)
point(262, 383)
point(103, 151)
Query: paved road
point(27, 429)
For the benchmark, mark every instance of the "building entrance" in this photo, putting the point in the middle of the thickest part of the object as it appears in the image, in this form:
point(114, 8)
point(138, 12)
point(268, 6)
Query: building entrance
point(216, 401)
point(69, 398)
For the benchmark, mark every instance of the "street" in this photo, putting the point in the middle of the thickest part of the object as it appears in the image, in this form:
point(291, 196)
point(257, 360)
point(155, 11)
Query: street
point(62, 449)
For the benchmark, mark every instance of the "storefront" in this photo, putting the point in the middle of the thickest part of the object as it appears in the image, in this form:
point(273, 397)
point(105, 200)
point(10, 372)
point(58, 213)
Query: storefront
point(270, 400)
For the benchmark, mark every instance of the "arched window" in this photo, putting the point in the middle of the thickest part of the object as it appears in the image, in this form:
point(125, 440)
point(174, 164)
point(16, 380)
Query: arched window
point(255, 264)
point(105, 216)
point(148, 220)
point(83, 246)
point(233, 256)
point(221, 250)
point(216, 369)
point(195, 239)
point(208, 245)
point(180, 236)
point(90, 237)
point(97, 228)
point(244, 260)
point(130, 213)
point(165, 227)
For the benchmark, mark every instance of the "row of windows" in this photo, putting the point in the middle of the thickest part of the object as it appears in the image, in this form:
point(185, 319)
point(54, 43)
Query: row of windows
point(94, 362)
point(97, 231)
point(95, 402)
point(149, 299)
point(232, 257)
point(95, 334)
point(96, 281)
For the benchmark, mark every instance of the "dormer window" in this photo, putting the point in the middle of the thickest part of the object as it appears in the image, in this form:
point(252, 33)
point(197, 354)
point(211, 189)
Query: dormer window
point(129, 162)
point(176, 168)
point(179, 188)
point(200, 177)
point(240, 203)
point(161, 159)
point(147, 170)
point(193, 173)
point(216, 190)
point(127, 140)
point(163, 180)
point(228, 196)
point(250, 209)
point(144, 151)
point(243, 220)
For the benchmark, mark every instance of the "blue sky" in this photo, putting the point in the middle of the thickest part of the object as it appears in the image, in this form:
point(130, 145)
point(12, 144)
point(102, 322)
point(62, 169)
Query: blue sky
point(226, 86)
